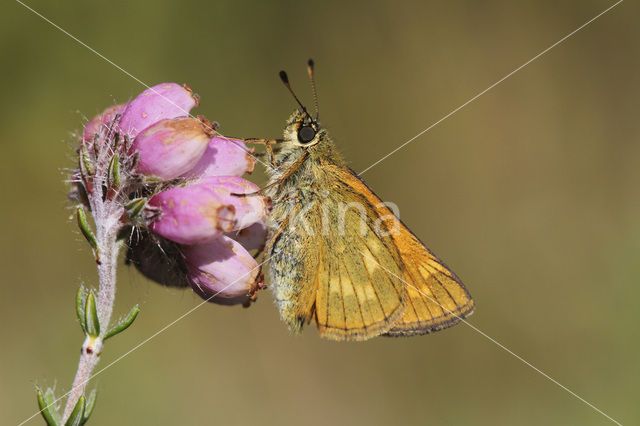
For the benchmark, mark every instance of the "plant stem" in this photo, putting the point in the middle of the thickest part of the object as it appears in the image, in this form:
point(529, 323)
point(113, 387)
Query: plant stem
point(106, 215)
point(88, 360)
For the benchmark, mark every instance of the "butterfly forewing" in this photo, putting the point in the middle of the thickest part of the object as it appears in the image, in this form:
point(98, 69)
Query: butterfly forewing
point(358, 296)
point(435, 298)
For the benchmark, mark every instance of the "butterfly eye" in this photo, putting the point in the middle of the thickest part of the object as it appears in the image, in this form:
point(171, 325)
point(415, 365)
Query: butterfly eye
point(306, 134)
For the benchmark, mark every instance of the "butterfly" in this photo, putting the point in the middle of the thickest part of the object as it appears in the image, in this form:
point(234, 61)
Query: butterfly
point(337, 255)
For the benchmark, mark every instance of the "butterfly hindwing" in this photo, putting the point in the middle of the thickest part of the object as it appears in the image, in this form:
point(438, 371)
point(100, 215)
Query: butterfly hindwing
point(357, 296)
point(434, 297)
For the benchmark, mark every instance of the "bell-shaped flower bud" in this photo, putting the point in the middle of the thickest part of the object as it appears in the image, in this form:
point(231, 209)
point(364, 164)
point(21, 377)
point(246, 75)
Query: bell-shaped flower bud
point(252, 237)
point(100, 122)
point(171, 147)
point(224, 157)
point(190, 214)
point(222, 271)
point(249, 209)
point(166, 100)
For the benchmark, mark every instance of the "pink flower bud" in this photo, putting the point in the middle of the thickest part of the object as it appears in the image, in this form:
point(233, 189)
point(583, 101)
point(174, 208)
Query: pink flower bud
point(224, 157)
point(222, 271)
point(252, 237)
point(249, 209)
point(171, 147)
point(100, 121)
point(191, 214)
point(166, 100)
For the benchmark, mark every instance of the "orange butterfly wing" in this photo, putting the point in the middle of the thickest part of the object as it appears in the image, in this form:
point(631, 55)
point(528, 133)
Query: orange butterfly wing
point(435, 298)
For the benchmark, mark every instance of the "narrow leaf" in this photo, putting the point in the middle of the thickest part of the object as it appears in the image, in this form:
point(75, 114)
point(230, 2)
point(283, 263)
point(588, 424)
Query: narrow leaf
point(124, 323)
point(91, 316)
point(81, 299)
point(85, 229)
point(75, 419)
point(88, 406)
point(114, 171)
point(48, 409)
point(135, 206)
point(86, 162)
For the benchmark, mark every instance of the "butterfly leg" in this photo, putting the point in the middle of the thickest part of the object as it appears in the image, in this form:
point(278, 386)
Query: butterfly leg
point(291, 170)
point(282, 227)
point(268, 143)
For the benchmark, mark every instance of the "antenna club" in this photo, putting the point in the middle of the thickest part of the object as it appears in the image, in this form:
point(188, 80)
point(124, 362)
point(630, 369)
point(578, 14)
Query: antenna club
point(310, 63)
point(284, 77)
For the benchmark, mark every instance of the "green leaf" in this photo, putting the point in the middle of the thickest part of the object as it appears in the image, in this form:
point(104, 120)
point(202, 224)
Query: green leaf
point(135, 207)
point(47, 407)
point(84, 158)
point(81, 300)
point(89, 406)
point(114, 171)
point(124, 323)
point(76, 416)
point(91, 321)
point(86, 229)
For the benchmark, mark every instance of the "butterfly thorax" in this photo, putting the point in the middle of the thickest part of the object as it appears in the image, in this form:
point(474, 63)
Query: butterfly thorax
point(297, 188)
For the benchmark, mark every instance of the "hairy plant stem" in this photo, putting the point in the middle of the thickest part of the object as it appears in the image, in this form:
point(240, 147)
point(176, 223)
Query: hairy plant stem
point(106, 215)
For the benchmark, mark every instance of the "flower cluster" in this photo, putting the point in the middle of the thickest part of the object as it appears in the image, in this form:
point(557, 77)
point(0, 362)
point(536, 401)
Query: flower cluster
point(190, 216)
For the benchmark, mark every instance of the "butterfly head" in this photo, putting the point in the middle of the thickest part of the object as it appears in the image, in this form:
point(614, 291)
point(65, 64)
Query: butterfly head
point(302, 130)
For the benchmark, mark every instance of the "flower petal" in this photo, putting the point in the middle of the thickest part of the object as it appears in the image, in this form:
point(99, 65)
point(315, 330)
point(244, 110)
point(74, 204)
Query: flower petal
point(191, 214)
point(249, 209)
point(224, 157)
point(169, 148)
point(222, 271)
point(252, 237)
point(166, 100)
point(100, 121)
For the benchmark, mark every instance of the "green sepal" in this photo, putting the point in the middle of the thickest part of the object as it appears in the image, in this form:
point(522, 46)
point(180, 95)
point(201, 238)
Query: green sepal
point(85, 229)
point(89, 406)
point(84, 158)
point(47, 406)
point(76, 416)
point(124, 323)
point(92, 324)
point(81, 301)
point(114, 171)
point(135, 207)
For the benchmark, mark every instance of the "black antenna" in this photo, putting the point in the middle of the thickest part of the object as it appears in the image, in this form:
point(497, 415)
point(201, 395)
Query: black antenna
point(285, 81)
point(313, 86)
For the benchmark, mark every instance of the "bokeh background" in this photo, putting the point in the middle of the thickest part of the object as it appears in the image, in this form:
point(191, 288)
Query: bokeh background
point(530, 193)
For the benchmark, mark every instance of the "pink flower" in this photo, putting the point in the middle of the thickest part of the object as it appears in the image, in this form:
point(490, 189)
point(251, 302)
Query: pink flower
point(222, 271)
point(191, 214)
point(202, 211)
point(252, 237)
point(249, 209)
point(196, 227)
point(166, 100)
point(224, 157)
point(100, 122)
point(170, 147)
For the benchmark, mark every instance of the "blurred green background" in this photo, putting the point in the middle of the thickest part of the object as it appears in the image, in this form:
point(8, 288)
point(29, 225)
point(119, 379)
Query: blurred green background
point(530, 193)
